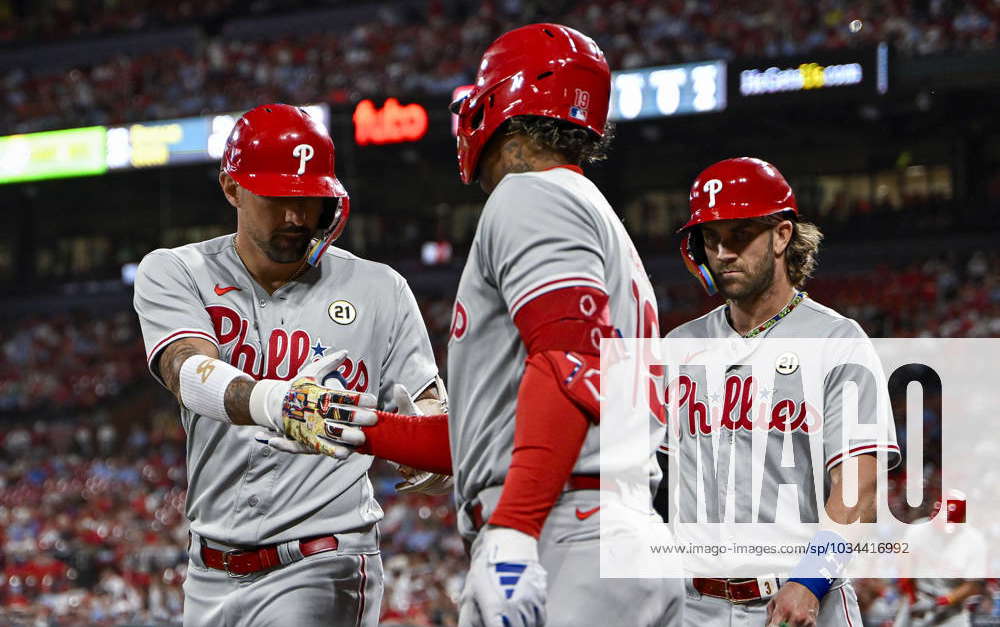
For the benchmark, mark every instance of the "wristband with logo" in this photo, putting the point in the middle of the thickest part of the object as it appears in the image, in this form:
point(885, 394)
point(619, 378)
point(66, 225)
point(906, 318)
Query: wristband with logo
point(826, 559)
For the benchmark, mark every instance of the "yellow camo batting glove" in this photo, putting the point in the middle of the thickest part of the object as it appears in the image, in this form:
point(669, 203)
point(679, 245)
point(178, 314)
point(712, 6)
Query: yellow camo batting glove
point(311, 416)
point(306, 416)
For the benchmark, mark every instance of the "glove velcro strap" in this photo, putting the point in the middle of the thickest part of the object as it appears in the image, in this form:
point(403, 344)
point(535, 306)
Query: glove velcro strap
point(266, 399)
point(504, 544)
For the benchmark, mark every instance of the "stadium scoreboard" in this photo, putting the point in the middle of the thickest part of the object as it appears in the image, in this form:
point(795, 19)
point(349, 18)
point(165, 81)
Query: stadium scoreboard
point(668, 90)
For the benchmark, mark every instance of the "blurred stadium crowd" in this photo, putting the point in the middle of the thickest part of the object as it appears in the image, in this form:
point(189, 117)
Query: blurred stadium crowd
point(92, 496)
point(420, 48)
point(92, 478)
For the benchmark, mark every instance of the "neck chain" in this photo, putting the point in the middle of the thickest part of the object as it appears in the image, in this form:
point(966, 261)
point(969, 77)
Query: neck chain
point(792, 304)
point(291, 277)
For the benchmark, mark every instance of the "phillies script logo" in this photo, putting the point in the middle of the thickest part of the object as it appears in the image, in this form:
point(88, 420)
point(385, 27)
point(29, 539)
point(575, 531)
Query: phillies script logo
point(459, 322)
point(737, 410)
point(287, 351)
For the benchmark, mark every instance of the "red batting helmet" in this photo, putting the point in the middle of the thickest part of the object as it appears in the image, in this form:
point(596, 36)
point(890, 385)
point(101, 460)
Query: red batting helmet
point(279, 150)
point(546, 70)
point(733, 189)
point(954, 507)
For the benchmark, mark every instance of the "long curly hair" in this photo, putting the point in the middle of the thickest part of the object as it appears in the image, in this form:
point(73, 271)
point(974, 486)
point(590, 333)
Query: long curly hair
point(577, 144)
point(802, 251)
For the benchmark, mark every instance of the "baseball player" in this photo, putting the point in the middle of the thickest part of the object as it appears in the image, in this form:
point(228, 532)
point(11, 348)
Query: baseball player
point(943, 601)
point(938, 601)
point(258, 334)
point(551, 271)
point(744, 240)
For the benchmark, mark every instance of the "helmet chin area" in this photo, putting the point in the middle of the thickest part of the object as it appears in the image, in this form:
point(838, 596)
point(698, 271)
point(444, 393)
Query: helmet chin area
point(692, 253)
point(331, 232)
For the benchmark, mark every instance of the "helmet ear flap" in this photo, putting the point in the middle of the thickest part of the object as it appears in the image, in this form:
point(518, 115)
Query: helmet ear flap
point(693, 255)
point(332, 221)
point(329, 213)
point(476, 121)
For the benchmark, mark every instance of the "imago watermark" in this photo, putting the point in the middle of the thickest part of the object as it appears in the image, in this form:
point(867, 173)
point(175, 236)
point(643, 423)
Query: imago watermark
point(736, 457)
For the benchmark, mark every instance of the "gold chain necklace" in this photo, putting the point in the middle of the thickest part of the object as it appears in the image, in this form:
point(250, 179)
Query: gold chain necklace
point(291, 277)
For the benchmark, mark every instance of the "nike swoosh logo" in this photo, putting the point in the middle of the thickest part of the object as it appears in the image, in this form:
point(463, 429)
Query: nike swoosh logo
point(581, 515)
point(222, 291)
point(690, 356)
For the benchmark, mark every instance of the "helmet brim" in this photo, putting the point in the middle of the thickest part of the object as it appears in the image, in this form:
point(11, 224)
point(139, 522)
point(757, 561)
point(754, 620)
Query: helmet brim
point(284, 185)
point(722, 213)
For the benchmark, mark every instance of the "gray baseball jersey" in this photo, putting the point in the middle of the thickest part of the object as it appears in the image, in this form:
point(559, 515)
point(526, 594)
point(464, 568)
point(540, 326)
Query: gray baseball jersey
point(241, 492)
point(807, 320)
point(539, 232)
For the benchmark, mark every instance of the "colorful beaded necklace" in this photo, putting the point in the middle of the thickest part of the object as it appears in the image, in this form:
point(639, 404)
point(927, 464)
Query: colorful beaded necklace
point(792, 304)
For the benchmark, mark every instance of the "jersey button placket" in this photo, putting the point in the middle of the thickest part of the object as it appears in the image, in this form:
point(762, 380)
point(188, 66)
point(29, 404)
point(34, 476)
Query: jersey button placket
point(253, 501)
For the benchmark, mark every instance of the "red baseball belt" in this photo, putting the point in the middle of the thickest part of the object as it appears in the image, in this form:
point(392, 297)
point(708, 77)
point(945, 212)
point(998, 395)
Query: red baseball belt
point(733, 590)
point(241, 562)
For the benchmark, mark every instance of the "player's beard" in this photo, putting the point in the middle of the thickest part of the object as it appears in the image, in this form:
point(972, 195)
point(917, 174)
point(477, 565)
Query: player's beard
point(753, 282)
point(287, 245)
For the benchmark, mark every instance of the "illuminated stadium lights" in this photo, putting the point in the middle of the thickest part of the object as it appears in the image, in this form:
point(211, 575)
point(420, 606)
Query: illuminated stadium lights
point(806, 76)
point(52, 154)
point(669, 90)
point(839, 75)
point(180, 141)
point(392, 124)
point(95, 149)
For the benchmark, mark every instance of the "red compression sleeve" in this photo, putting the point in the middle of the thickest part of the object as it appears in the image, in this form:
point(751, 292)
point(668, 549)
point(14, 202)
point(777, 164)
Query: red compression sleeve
point(548, 433)
point(569, 319)
point(420, 442)
point(549, 428)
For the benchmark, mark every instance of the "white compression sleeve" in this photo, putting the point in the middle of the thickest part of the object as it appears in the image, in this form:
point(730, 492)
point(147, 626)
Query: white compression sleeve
point(204, 381)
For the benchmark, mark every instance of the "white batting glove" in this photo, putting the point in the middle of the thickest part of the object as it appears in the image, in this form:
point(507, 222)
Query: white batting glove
point(417, 481)
point(506, 586)
point(273, 401)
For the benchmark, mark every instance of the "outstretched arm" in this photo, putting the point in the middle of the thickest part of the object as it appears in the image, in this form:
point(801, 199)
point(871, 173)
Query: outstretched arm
point(237, 392)
point(301, 409)
point(420, 442)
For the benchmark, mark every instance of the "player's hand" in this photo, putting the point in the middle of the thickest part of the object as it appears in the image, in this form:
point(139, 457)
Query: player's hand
point(416, 481)
point(422, 482)
point(506, 586)
point(316, 416)
point(794, 606)
point(313, 413)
